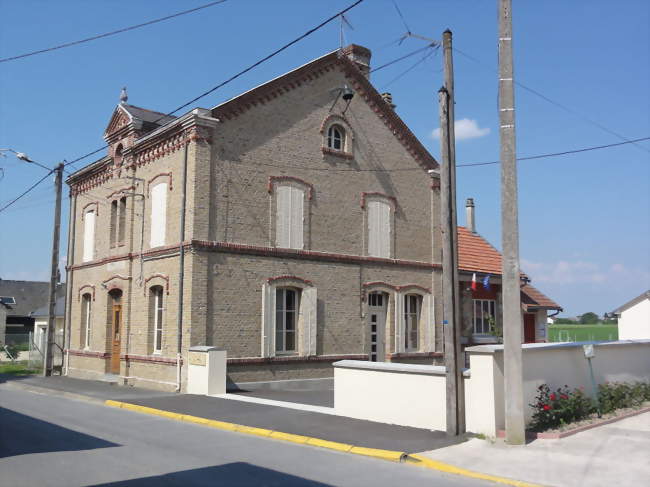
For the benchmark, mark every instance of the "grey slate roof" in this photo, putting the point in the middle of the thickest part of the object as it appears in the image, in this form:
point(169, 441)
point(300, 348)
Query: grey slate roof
point(150, 118)
point(629, 304)
point(29, 295)
point(59, 308)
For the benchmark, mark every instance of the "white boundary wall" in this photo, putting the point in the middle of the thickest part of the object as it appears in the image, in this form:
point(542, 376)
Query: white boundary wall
point(404, 394)
point(414, 395)
point(554, 364)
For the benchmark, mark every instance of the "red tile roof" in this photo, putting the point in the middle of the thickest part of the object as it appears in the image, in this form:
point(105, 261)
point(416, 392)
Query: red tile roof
point(475, 254)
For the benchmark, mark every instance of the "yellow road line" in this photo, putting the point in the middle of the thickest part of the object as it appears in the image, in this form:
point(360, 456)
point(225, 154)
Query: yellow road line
point(390, 455)
point(422, 461)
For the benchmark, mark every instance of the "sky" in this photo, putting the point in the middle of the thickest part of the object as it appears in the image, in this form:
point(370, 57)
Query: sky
point(584, 218)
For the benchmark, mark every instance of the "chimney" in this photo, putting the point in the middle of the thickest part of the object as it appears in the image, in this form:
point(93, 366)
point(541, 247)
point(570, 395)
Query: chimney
point(388, 98)
point(360, 56)
point(469, 208)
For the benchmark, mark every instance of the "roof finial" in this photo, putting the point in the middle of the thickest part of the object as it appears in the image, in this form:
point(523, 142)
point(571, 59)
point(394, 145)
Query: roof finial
point(123, 96)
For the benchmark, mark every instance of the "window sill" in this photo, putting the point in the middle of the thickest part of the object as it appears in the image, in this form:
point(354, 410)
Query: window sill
point(337, 153)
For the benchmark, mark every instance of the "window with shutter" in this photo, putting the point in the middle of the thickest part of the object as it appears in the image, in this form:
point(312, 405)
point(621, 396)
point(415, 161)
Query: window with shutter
point(379, 229)
point(289, 217)
point(158, 214)
point(89, 236)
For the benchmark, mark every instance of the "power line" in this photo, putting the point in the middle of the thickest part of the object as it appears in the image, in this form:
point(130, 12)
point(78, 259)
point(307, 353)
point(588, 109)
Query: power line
point(409, 69)
point(412, 53)
point(563, 153)
point(240, 73)
point(26, 191)
point(107, 34)
point(554, 103)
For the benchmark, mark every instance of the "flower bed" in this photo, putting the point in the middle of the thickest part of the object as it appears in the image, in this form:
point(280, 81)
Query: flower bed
point(564, 409)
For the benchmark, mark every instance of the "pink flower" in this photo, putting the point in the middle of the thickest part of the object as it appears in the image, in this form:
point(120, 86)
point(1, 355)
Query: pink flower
point(553, 397)
point(547, 407)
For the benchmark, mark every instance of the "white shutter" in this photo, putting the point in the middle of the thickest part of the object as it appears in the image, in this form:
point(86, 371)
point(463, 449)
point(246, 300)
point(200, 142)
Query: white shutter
point(399, 322)
point(308, 321)
point(283, 216)
point(268, 319)
point(384, 237)
point(89, 236)
point(158, 214)
point(379, 229)
point(429, 328)
point(297, 215)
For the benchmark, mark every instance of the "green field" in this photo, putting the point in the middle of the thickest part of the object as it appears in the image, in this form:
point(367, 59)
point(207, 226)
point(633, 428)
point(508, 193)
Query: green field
point(582, 333)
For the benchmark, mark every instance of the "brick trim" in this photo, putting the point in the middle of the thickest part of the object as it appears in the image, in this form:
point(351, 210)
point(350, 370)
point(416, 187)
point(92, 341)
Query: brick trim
point(154, 276)
point(115, 286)
point(88, 353)
point(84, 287)
point(212, 246)
point(365, 194)
point(118, 191)
point(289, 278)
point(407, 355)
point(293, 359)
point(426, 290)
point(83, 210)
point(275, 179)
point(161, 174)
point(149, 359)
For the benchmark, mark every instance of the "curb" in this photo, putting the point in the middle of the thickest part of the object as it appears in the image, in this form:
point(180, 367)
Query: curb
point(393, 456)
point(563, 434)
point(388, 455)
point(425, 462)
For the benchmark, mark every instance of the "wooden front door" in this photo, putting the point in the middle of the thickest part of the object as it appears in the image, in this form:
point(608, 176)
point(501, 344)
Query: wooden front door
point(529, 328)
point(116, 348)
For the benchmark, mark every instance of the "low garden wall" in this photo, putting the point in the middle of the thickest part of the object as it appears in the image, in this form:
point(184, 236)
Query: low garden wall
point(404, 394)
point(555, 364)
point(414, 395)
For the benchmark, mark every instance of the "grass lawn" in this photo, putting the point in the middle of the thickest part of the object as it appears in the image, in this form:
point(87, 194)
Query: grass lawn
point(582, 333)
point(16, 368)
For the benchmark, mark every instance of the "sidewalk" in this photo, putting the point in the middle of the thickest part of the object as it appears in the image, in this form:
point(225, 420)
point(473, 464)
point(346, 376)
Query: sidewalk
point(305, 423)
point(612, 454)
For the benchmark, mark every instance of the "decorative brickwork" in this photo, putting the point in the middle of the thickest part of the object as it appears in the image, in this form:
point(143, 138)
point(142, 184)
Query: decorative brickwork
point(85, 286)
point(276, 179)
point(156, 276)
point(160, 175)
point(365, 195)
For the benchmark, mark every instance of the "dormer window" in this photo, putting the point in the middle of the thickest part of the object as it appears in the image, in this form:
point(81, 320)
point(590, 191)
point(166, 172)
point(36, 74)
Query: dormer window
point(336, 138)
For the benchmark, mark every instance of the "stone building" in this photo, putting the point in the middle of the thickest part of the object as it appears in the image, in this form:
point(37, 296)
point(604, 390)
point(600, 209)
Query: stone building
point(273, 225)
point(294, 225)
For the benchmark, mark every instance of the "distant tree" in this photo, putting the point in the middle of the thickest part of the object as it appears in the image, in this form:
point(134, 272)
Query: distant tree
point(565, 321)
point(589, 318)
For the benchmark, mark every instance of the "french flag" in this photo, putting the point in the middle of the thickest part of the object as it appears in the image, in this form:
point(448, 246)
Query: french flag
point(474, 282)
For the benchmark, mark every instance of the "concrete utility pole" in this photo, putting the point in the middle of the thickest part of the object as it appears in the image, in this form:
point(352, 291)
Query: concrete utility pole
point(453, 357)
point(51, 322)
point(512, 327)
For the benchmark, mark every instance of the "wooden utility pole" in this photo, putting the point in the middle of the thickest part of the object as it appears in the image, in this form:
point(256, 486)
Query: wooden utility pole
point(512, 327)
point(450, 288)
point(51, 322)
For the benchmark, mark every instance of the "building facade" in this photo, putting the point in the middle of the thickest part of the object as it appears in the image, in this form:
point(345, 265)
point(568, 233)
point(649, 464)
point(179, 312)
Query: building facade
point(294, 225)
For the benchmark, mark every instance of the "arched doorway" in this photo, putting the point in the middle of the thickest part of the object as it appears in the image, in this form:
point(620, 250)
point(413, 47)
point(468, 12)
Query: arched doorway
point(115, 328)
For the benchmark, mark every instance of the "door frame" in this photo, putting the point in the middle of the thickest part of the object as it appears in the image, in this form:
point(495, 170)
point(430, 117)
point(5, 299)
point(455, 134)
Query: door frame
point(380, 331)
point(530, 322)
point(115, 329)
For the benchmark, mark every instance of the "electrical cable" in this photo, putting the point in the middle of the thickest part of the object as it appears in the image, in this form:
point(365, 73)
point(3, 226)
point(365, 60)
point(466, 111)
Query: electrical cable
point(26, 191)
point(240, 73)
point(412, 53)
point(553, 102)
point(107, 34)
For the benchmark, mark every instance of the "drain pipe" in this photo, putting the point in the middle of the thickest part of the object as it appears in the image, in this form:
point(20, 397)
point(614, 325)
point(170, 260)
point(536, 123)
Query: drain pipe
point(181, 273)
point(72, 219)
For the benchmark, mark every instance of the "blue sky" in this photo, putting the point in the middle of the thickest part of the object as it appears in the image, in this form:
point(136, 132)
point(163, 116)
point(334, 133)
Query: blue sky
point(584, 218)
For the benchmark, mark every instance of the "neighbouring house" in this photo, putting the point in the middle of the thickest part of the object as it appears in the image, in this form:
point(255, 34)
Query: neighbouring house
point(634, 318)
point(4, 307)
point(481, 308)
point(20, 299)
point(294, 225)
point(41, 317)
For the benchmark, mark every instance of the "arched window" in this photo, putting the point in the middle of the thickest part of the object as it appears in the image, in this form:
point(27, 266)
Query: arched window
point(156, 316)
point(412, 309)
point(118, 155)
point(336, 138)
point(86, 300)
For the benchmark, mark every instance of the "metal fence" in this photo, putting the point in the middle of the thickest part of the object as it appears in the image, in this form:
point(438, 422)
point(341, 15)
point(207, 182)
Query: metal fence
point(37, 351)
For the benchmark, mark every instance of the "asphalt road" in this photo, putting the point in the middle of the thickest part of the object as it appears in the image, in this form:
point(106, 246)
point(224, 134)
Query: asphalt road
point(55, 441)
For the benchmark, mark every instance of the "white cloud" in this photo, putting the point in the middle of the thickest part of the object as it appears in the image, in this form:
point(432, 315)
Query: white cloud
point(465, 128)
point(580, 271)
